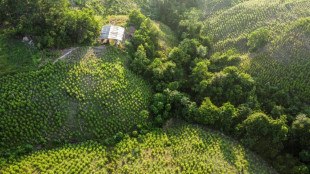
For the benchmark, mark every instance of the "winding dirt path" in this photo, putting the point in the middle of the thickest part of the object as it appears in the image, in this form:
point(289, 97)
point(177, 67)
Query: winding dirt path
point(64, 55)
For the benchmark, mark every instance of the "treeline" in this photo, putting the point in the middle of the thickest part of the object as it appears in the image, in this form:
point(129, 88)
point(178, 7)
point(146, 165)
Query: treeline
point(51, 23)
point(182, 16)
point(210, 90)
point(61, 23)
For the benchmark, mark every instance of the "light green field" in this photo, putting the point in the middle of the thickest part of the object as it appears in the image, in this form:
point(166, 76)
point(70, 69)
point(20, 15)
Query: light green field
point(285, 60)
point(84, 97)
point(231, 21)
point(181, 148)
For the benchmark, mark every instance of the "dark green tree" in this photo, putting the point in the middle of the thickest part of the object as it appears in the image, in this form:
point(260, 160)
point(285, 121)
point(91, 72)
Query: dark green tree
point(228, 85)
point(199, 73)
point(301, 130)
point(209, 113)
point(140, 62)
point(258, 39)
point(264, 134)
point(189, 46)
point(191, 23)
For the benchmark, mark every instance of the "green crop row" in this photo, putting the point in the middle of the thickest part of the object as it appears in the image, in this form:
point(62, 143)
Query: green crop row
point(180, 149)
point(90, 98)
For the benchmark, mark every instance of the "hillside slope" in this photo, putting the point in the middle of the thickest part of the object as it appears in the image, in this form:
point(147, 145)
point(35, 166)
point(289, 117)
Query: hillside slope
point(230, 23)
point(181, 148)
point(284, 60)
point(83, 97)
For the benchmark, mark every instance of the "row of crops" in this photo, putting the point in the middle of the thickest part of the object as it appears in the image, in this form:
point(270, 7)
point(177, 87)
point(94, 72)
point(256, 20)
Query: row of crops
point(89, 98)
point(294, 77)
point(233, 25)
point(285, 63)
point(181, 149)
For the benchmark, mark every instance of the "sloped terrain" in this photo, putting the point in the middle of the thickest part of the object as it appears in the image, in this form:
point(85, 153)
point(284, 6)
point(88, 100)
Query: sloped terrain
point(82, 97)
point(119, 109)
point(284, 60)
point(230, 22)
point(180, 148)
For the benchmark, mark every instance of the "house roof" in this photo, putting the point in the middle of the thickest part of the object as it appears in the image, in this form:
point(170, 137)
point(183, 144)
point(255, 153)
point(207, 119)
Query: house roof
point(112, 32)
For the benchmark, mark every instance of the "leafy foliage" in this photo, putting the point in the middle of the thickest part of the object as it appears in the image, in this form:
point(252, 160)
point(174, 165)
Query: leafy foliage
point(230, 22)
point(140, 61)
point(227, 85)
point(264, 134)
point(145, 35)
point(136, 18)
point(120, 7)
point(96, 5)
point(288, 55)
point(220, 61)
point(257, 39)
point(190, 23)
point(301, 129)
point(52, 22)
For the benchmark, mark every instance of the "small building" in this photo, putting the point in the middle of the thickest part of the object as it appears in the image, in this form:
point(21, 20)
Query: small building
point(109, 33)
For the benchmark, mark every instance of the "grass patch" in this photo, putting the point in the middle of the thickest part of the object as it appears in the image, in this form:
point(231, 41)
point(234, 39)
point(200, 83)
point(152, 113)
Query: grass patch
point(15, 56)
point(118, 20)
point(167, 37)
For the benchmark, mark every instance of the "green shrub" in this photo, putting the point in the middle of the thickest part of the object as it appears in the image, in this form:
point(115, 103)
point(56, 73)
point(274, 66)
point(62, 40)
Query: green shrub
point(258, 39)
point(135, 133)
point(144, 114)
point(136, 18)
point(304, 156)
point(61, 92)
point(55, 24)
point(209, 112)
point(140, 61)
point(228, 85)
point(264, 134)
point(301, 130)
point(159, 120)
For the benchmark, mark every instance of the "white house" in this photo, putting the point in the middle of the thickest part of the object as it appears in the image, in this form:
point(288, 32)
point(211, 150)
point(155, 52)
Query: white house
point(110, 32)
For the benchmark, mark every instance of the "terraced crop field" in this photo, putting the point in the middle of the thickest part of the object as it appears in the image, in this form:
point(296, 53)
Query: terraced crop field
point(231, 21)
point(182, 148)
point(89, 95)
point(284, 61)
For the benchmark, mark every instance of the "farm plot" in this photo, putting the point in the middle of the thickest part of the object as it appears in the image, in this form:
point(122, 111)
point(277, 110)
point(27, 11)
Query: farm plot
point(183, 148)
point(89, 98)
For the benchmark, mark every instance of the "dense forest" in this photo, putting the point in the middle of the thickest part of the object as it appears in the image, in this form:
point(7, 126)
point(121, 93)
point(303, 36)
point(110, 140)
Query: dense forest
point(196, 86)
